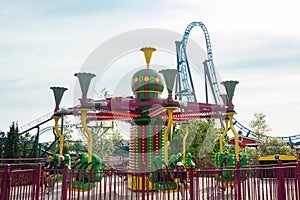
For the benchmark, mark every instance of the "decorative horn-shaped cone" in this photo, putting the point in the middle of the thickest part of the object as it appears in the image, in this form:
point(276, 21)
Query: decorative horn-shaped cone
point(230, 87)
point(148, 54)
point(58, 93)
point(169, 76)
point(224, 99)
point(85, 81)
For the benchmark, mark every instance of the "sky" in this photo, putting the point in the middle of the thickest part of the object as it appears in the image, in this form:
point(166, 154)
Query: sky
point(43, 43)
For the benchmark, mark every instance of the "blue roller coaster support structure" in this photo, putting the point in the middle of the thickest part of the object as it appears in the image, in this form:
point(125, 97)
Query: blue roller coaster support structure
point(183, 66)
point(184, 83)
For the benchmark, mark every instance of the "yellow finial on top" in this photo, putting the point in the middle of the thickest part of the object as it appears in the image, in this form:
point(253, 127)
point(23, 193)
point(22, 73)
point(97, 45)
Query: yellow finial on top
point(148, 53)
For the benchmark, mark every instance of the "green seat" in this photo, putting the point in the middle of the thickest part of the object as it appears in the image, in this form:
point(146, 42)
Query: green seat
point(83, 161)
point(68, 159)
point(55, 159)
point(189, 161)
point(85, 180)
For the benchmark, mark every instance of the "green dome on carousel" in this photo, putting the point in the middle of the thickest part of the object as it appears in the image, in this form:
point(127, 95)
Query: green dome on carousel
point(147, 83)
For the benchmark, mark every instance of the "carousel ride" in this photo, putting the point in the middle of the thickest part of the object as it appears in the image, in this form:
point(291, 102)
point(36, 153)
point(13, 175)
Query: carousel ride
point(151, 118)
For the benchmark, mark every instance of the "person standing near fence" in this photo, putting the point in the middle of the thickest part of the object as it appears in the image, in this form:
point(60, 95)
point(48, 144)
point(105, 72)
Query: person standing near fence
point(180, 176)
point(47, 167)
point(57, 170)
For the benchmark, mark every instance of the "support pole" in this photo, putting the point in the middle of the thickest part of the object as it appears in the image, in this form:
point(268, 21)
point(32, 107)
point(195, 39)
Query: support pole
point(224, 133)
point(61, 138)
point(87, 133)
point(186, 129)
point(236, 136)
point(167, 132)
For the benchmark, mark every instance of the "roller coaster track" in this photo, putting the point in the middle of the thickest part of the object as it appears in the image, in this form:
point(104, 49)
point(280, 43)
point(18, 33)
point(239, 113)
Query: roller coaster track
point(186, 78)
point(49, 128)
point(35, 123)
point(187, 83)
point(185, 75)
point(290, 139)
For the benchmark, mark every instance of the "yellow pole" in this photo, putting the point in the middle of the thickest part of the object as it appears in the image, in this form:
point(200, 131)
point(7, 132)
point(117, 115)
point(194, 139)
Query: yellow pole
point(87, 133)
point(236, 136)
point(186, 126)
point(61, 138)
point(224, 133)
point(168, 129)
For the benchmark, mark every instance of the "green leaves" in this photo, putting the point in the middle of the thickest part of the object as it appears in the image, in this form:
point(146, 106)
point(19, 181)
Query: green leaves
point(272, 146)
point(12, 142)
point(202, 138)
point(259, 126)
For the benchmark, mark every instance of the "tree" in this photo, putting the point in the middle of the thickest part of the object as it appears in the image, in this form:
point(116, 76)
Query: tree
point(225, 142)
point(103, 94)
point(70, 145)
point(259, 126)
point(28, 146)
point(106, 138)
point(211, 137)
point(272, 146)
point(2, 144)
point(175, 146)
point(12, 142)
point(201, 138)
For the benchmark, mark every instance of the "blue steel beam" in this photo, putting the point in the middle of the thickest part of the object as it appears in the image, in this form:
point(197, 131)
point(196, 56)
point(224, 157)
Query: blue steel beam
point(186, 79)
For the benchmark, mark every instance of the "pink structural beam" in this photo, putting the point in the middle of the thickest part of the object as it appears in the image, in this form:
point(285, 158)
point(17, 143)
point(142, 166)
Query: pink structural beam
point(126, 109)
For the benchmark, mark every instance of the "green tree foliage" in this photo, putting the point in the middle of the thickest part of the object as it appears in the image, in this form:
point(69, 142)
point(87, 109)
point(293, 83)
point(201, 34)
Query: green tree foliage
point(2, 143)
point(175, 145)
point(12, 142)
point(18, 146)
point(259, 126)
point(201, 139)
point(103, 94)
point(70, 144)
point(272, 146)
point(28, 146)
point(106, 139)
point(252, 152)
point(24, 146)
point(225, 142)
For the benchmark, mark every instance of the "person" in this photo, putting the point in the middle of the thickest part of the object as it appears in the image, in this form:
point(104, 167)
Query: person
point(57, 170)
point(47, 167)
point(180, 174)
point(49, 162)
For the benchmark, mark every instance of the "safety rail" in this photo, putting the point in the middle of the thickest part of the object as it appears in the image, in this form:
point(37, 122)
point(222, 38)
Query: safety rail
point(281, 181)
point(22, 161)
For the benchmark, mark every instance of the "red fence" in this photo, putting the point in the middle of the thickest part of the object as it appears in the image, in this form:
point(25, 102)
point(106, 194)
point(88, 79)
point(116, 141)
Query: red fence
point(27, 181)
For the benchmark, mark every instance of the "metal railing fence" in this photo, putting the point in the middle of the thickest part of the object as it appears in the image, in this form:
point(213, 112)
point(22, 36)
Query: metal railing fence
point(30, 181)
